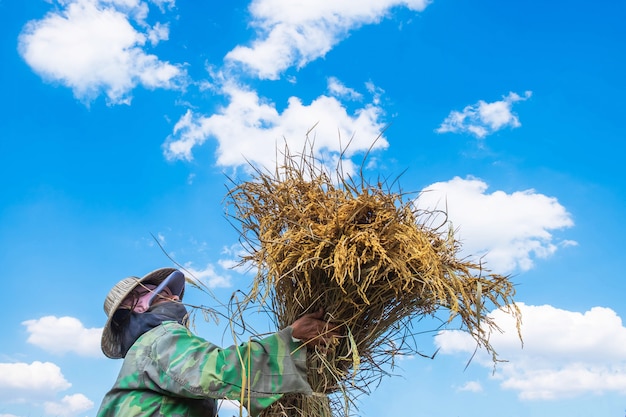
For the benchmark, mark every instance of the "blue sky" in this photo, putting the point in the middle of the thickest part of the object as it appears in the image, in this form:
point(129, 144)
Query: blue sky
point(121, 120)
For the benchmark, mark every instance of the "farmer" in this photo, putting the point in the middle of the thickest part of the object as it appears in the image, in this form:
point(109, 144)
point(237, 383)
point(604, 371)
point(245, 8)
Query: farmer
point(168, 371)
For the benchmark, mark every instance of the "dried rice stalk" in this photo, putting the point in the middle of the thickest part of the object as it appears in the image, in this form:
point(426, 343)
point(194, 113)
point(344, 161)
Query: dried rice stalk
point(369, 259)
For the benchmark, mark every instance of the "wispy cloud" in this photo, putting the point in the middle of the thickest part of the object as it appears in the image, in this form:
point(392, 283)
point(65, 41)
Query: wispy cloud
point(482, 119)
point(97, 46)
point(295, 33)
point(565, 353)
point(508, 230)
point(250, 128)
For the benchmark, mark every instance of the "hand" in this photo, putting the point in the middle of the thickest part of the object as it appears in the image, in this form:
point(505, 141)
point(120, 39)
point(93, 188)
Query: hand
point(312, 330)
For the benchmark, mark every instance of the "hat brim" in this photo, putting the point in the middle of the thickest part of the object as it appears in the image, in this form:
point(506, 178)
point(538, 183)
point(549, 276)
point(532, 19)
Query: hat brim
point(109, 343)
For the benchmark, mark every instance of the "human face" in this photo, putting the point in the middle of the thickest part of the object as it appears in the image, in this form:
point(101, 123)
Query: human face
point(143, 297)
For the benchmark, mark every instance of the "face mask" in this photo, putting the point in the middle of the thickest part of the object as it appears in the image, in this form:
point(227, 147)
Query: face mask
point(135, 324)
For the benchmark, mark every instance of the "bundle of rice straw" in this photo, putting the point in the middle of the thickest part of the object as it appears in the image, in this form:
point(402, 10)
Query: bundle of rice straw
point(366, 256)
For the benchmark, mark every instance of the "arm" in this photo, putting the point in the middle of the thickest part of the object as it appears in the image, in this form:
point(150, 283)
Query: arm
point(189, 366)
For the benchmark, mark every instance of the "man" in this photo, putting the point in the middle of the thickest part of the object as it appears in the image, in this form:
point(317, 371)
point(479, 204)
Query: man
point(168, 371)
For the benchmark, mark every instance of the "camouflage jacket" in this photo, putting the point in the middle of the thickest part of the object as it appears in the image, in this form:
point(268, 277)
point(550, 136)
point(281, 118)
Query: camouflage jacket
point(170, 372)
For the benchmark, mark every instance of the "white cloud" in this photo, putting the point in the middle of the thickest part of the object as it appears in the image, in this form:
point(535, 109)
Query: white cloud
point(160, 32)
point(290, 32)
point(69, 406)
point(482, 119)
point(376, 92)
point(231, 408)
point(509, 230)
point(91, 47)
point(63, 335)
point(164, 4)
point(208, 276)
point(471, 386)
point(231, 259)
point(565, 353)
point(22, 381)
point(338, 89)
point(250, 128)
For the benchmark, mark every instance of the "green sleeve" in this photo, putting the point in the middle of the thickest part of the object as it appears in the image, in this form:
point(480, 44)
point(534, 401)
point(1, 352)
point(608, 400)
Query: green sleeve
point(188, 365)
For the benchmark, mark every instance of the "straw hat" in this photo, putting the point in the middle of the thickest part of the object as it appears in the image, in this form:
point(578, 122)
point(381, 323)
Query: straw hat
point(110, 343)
